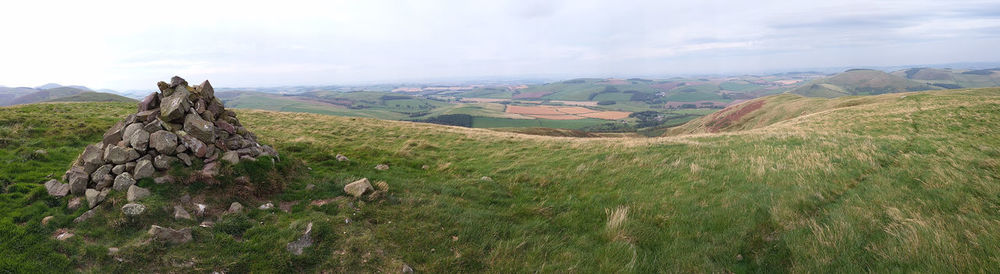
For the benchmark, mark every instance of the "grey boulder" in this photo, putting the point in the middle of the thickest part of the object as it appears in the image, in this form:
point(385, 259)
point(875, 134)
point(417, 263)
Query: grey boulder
point(133, 209)
point(199, 128)
point(123, 182)
point(55, 188)
point(143, 169)
point(136, 193)
point(169, 235)
point(163, 141)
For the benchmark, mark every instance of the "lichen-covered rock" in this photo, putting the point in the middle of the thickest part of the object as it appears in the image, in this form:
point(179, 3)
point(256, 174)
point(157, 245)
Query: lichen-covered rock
point(104, 182)
point(133, 209)
point(143, 169)
point(163, 141)
point(98, 174)
point(114, 134)
point(185, 158)
point(199, 128)
point(174, 106)
point(232, 157)
point(119, 155)
point(163, 162)
point(95, 197)
point(131, 129)
point(197, 147)
point(93, 154)
point(123, 182)
point(153, 126)
point(139, 140)
point(146, 115)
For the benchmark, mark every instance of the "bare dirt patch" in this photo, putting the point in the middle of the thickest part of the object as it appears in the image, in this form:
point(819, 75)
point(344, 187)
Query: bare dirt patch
point(558, 117)
point(533, 110)
point(608, 115)
point(729, 117)
point(565, 113)
point(574, 110)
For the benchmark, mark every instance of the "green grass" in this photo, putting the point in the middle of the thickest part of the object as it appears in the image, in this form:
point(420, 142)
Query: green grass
point(739, 86)
point(859, 82)
point(863, 184)
point(495, 93)
point(617, 97)
point(494, 122)
point(694, 96)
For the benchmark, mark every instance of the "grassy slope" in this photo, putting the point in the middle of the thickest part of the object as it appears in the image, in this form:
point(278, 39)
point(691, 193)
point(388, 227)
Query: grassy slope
point(904, 184)
point(858, 82)
point(90, 96)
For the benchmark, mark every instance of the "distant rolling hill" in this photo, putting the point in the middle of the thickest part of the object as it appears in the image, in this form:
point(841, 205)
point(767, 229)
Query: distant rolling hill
point(952, 78)
point(24, 95)
point(92, 96)
point(859, 82)
point(791, 108)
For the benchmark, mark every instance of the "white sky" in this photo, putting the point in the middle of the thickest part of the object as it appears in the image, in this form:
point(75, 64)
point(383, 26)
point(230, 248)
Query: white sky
point(133, 44)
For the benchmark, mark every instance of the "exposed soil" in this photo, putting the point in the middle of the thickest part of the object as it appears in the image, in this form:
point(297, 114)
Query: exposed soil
point(729, 116)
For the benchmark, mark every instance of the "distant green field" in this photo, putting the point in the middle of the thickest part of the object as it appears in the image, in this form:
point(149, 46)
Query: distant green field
point(694, 96)
point(492, 122)
point(617, 97)
point(494, 93)
point(739, 86)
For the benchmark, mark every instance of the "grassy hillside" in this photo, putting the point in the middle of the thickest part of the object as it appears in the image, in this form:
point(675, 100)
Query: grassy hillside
point(91, 96)
point(859, 82)
point(950, 78)
point(887, 184)
point(788, 108)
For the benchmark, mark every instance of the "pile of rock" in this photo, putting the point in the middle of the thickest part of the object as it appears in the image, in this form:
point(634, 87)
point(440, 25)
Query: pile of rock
point(180, 123)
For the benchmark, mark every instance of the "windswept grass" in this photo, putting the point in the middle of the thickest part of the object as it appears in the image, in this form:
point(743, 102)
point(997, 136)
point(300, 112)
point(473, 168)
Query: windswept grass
point(860, 184)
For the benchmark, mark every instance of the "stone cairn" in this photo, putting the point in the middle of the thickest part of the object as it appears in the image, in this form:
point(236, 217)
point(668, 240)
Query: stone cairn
point(180, 123)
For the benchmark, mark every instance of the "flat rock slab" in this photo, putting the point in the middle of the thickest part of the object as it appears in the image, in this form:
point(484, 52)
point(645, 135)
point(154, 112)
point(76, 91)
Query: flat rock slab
point(359, 187)
point(169, 235)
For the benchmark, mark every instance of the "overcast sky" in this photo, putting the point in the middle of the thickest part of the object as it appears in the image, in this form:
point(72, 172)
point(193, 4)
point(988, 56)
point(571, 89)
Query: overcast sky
point(133, 44)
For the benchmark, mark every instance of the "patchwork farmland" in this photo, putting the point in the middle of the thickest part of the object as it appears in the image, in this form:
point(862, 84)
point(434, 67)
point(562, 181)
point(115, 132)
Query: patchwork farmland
point(565, 113)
